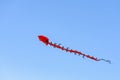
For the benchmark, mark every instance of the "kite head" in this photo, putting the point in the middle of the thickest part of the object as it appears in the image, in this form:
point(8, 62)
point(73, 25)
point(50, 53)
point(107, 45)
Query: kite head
point(44, 39)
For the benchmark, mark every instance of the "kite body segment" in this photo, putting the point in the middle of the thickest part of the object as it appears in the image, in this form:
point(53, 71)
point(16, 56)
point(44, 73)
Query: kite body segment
point(45, 40)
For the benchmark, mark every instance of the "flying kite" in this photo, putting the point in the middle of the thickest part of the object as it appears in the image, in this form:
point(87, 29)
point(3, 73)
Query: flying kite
point(45, 40)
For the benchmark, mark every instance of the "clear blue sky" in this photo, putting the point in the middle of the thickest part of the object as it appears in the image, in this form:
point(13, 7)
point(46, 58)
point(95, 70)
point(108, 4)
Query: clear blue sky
point(89, 26)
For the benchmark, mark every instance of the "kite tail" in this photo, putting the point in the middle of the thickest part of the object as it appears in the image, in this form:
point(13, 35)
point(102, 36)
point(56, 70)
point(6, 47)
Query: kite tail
point(55, 45)
point(105, 60)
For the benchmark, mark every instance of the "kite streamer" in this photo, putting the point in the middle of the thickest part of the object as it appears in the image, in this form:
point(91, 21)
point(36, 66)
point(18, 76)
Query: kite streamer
point(45, 40)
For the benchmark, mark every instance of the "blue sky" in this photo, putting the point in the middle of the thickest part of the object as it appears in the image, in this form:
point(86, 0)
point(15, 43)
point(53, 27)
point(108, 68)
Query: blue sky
point(89, 26)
